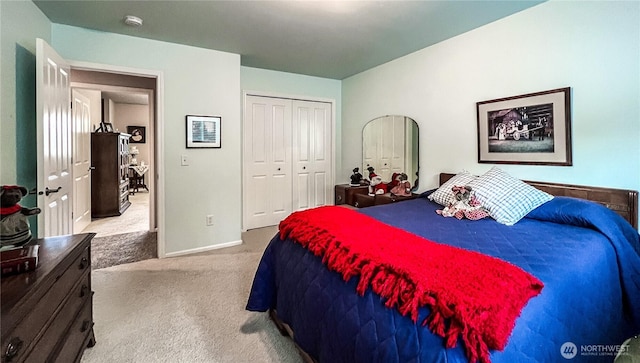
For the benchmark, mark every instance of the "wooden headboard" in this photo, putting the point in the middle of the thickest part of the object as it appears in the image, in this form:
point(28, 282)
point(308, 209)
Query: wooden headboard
point(625, 202)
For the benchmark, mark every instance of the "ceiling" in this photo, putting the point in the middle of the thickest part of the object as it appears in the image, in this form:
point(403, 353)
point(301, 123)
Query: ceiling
point(329, 39)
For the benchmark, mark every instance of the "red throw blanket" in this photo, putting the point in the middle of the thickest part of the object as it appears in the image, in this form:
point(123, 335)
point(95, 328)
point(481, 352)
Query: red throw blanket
point(472, 296)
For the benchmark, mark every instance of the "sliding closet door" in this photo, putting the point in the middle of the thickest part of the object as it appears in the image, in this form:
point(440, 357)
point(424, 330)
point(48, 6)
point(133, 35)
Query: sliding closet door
point(267, 161)
point(312, 153)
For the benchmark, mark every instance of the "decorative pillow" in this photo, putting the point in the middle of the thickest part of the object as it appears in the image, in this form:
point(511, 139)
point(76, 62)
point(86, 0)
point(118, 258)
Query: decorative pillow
point(444, 195)
point(507, 199)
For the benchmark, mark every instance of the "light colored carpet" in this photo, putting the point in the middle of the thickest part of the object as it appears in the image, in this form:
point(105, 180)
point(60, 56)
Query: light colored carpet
point(184, 309)
point(134, 219)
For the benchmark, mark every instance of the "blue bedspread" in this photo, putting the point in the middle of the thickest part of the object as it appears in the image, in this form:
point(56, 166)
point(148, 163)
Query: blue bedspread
point(587, 256)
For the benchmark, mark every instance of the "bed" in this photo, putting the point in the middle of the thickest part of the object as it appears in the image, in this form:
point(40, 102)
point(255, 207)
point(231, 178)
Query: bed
point(585, 254)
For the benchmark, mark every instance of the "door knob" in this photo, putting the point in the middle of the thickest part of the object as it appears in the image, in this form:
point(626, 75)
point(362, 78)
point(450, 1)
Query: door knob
point(48, 191)
point(92, 168)
point(278, 169)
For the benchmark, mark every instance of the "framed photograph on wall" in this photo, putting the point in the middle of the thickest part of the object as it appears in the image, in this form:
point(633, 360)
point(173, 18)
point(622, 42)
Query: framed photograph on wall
point(204, 131)
point(533, 129)
point(138, 134)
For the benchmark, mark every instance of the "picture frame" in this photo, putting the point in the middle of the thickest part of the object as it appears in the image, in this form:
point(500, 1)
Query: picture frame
point(138, 134)
point(204, 131)
point(529, 129)
point(106, 127)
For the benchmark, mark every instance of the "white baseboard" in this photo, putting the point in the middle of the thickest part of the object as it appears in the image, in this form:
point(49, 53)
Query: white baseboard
point(203, 249)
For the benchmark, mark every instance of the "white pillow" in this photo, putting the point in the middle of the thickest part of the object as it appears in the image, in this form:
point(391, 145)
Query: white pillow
point(444, 194)
point(507, 199)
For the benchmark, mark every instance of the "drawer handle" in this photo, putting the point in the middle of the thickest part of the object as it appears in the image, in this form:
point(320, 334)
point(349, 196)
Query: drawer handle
point(15, 344)
point(85, 326)
point(84, 290)
point(84, 262)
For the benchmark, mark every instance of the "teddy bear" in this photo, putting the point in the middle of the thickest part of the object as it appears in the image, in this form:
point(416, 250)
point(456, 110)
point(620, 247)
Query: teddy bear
point(356, 177)
point(14, 225)
point(464, 205)
point(402, 186)
point(376, 186)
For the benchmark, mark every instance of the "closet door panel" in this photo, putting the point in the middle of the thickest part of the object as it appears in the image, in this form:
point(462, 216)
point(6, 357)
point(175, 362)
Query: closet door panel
point(301, 199)
point(267, 161)
point(312, 154)
point(398, 148)
point(321, 184)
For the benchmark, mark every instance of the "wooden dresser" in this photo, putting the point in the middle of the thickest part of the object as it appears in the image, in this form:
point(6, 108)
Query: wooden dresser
point(110, 176)
point(47, 314)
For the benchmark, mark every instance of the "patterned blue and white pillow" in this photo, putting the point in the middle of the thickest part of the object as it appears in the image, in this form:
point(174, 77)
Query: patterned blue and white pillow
point(507, 199)
point(444, 194)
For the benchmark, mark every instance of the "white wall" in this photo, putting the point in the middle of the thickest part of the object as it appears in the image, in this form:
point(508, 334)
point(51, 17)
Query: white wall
point(196, 82)
point(592, 47)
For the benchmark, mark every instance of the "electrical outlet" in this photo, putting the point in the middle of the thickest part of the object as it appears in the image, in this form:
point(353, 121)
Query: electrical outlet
point(210, 220)
point(183, 160)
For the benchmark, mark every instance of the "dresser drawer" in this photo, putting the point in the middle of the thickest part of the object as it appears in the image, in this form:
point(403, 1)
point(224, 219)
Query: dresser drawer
point(22, 338)
point(60, 323)
point(78, 336)
point(346, 194)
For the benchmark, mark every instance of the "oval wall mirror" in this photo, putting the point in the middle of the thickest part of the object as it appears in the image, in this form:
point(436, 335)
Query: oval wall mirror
point(390, 145)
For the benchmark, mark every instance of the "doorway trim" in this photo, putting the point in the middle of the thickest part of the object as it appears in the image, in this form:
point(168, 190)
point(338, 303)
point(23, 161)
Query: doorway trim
point(159, 178)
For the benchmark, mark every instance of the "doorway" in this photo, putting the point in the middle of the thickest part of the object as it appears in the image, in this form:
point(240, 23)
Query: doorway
point(128, 104)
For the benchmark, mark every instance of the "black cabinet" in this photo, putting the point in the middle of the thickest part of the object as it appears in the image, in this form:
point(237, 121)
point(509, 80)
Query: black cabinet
point(110, 174)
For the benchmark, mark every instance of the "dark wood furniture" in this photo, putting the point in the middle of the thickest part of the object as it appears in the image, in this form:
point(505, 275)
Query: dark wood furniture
point(47, 314)
point(622, 201)
point(136, 181)
point(345, 193)
point(366, 200)
point(110, 176)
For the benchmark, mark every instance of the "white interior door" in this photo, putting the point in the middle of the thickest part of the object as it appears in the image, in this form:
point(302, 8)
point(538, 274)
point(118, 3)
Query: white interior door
point(54, 142)
point(398, 151)
point(370, 136)
point(312, 153)
point(385, 149)
point(81, 151)
point(267, 161)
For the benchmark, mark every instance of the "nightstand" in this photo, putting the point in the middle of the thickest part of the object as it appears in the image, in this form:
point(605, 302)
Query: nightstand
point(345, 193)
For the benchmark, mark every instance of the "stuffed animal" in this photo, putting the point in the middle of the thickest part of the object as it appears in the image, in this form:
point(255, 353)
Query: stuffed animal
point(402, 185)
point(356, 177)
point(371, 171)
point(465, 205)
point(395, 179)
point(14, 226)
point(376, 186)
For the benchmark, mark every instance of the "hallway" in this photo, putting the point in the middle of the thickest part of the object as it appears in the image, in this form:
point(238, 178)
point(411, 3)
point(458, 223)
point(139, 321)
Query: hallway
point(134, 219)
